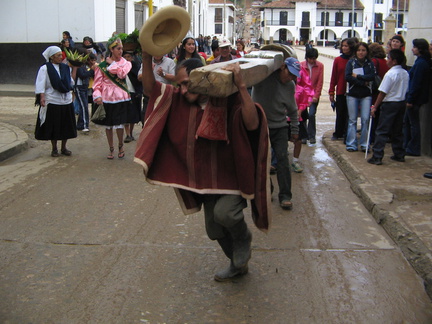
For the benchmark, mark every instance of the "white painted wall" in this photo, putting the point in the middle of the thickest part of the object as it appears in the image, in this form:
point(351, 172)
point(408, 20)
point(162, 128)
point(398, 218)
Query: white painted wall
point(420, 26)
point(104, 20)
point(43, 21)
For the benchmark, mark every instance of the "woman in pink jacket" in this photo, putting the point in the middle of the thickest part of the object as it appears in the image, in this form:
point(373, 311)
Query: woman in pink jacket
point(110, 89)
point(315, 71)
point(303, 95)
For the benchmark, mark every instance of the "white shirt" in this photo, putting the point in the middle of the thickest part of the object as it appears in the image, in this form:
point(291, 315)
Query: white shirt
point(310, 66)
point(168, 66)
point(43, 85)
point(395, 84)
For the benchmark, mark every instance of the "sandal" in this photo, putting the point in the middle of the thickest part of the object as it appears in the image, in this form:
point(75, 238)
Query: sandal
point(121, 153)
point(111, 156)
point(54, 153)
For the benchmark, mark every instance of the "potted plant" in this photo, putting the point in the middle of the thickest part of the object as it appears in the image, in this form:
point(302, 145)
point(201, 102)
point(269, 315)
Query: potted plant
point(130, 41)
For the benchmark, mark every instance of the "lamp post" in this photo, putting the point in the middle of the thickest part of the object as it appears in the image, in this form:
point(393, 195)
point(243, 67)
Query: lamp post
point(373, 22)
point(325, 22)
point(352, 19)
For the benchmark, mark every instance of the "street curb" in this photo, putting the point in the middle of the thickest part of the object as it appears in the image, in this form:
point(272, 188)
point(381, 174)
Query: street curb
point(376, 201)
point(18, 145)
point(16, 93)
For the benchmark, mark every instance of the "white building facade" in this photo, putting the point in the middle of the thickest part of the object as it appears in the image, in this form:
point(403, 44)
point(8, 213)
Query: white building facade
point(329, 20)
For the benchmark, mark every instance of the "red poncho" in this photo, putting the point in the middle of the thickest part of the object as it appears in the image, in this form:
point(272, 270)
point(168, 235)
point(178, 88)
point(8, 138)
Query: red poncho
point(172, 154)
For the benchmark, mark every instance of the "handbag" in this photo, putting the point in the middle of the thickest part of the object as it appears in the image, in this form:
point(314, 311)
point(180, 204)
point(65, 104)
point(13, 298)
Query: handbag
point(99, 115)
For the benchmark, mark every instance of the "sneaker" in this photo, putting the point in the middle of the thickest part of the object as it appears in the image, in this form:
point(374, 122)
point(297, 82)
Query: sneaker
point(374, 160)
point(304, 141)
point(312, 141)
point(86, 130)
point(128, 139)
point(296, 167)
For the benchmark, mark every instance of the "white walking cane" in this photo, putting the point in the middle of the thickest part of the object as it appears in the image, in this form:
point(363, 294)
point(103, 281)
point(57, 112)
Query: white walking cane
point(368, 137)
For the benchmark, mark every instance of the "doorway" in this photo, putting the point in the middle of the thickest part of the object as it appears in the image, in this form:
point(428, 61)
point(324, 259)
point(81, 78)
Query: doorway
point(304, 36)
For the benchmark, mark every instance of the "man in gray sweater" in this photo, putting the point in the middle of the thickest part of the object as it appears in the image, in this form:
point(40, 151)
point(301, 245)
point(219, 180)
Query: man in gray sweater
point(276, 94)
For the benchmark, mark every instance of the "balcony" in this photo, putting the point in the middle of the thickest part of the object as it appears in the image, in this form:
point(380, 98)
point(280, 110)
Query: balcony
point(339, 24)
point(280, 23)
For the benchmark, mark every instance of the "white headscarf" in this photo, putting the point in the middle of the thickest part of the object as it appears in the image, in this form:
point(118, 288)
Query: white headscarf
point(50, 51)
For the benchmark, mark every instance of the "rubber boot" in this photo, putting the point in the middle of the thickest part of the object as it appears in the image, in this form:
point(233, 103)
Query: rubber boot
point(242, 239)
point(226, 244)
point(230, 273)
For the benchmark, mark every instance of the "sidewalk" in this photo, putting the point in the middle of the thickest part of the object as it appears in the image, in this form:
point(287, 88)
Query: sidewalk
point(17, 90)
point(12, 141)
point(396, 194)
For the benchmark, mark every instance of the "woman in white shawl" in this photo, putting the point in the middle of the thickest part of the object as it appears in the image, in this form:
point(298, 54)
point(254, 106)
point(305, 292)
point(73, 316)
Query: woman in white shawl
point(56, 119)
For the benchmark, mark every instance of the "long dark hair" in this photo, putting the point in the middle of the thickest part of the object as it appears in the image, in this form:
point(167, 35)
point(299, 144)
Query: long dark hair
point(365, 46)
point(423, 47)
point(182, 51)
point(351, 44)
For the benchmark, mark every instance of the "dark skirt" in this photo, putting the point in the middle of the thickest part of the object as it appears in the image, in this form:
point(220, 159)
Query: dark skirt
point(60, 123)
point(116, 114)
point(134, 110)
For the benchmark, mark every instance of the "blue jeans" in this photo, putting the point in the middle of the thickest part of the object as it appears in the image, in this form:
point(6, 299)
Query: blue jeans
point(311, 124)
point(353, 108)
point(279, 143)
point(411, 130)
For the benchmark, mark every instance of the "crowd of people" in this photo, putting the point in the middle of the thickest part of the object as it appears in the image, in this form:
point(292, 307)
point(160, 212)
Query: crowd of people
point(213, 151)
point(370, 80)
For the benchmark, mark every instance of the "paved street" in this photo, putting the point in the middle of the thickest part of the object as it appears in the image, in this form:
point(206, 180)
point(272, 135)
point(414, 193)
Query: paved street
point(86, 240)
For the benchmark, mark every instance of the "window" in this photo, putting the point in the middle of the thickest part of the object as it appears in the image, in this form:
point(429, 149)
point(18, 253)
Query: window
point(350, 21)
point(399, 20)
point(218, 15)
point(325, 18)
point(120, 16)
point(379, 20)
point(305, 19)
point(339, 19)
point(379, 1)
point(283, 17)
point(218, 29)
point(139, 15)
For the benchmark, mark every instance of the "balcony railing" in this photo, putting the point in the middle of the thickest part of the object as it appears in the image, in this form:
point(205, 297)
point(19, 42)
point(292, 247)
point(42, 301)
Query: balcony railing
point(278, 23)
point(318, 23)
point(339, 24)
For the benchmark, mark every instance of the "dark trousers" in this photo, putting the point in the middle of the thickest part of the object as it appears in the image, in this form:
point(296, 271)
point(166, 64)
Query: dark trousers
point(411, 129)
point(341, 117)
point(390, 125)
point(222, 212)
point(83, 113)
point(311, 123)
point(279, 143)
